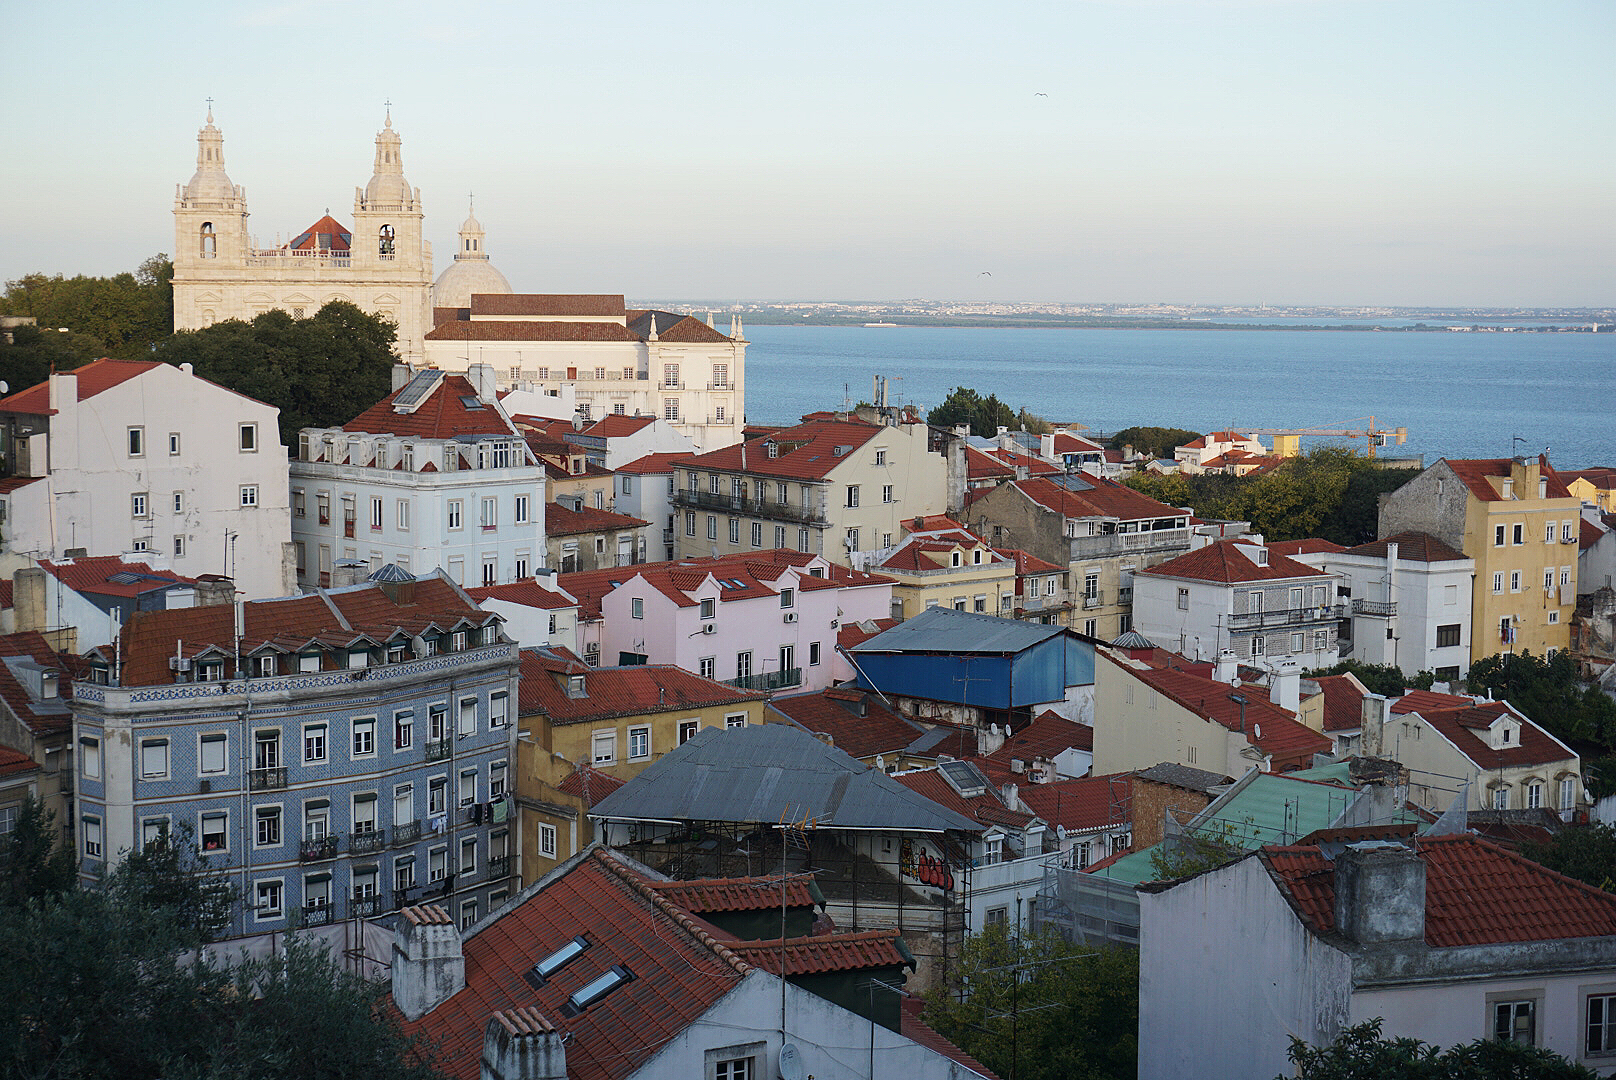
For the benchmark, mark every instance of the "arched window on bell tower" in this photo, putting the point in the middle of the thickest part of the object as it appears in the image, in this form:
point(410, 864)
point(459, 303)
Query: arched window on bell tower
point(384, 242)
point(210, 242)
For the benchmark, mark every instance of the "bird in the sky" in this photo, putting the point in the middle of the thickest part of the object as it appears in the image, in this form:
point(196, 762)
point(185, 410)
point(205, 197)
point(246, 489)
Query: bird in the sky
point(1040, 95)
point(984, 274)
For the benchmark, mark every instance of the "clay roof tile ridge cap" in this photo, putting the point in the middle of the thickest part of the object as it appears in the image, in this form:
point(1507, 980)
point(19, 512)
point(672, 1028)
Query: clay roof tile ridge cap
point(674, 912)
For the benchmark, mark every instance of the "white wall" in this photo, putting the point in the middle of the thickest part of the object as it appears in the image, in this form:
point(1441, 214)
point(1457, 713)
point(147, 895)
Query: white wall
point(1427, 595)
point(645, 496)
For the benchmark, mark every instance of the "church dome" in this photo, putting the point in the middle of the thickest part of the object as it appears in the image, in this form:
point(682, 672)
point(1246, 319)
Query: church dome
point(471, 272)
point(387, 185)
point(209, 182)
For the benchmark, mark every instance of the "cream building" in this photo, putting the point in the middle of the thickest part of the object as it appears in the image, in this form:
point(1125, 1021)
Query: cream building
point(382, 265)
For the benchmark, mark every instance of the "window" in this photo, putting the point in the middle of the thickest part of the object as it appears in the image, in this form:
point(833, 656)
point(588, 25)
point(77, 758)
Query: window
point(404, 874)
point(468, 865)
point(687, 730)
point(1498, 582)
point(743, 664)
point(1447, 635)
point(1517, 534)
point(690, 523)
point(1566, 534)
point(468, 716)
point(522, 512)
point(712, 527)
point(403, 730)
point(314, 743)
point(468, 787)
point(364, 737)
point(788, 597)
point(499, 709)
point(137, 442)
point(1568, 793)
point(1500, 798)
point(1050, 584)
point(1298, 642)
point(852, 494)
point(179, 502)
point(779, 536)
point(154, 759)
point(547, 841)
point(735, 530)
point(735, 720)
point(249, 494)
point(437, 795)
point(1601, 1025)
point(456, 509)
point(709, 608)
point(735, 1069)
point(215, 831)
point(852, 539)
point(1498, 536)
point(269, 900)
point(1548, 579)
point(880, 457)
point(1091, 586)
point(403, 804)
point(996, 916)
point(603, 748)
point(802, 539)
point(706, 665)
point(267, 831)
point(1534, 796)
point(757, 534)
point(1514, 581)
point(639, 743)
point(138, 505)
point(173, 443)
point(1321, 640)
point(437, 864)
point(1548, 532)
point(1183, 599)
point(489, 513)
point(886, 493)
point(670, 410)
point(813, 654)
point(92, 837)
point(1515, 1021)
point(213, 753)
point(247, 438)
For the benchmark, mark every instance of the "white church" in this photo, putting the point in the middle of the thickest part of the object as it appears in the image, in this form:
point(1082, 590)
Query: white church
point(588, 351)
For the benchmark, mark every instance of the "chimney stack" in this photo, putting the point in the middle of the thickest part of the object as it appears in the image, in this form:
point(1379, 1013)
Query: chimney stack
point(1285, 685)
point(1372, 717)
point(428, 966)
point(1228, 667)
point(1380, 893)
point(348, 572)
point(402, 373)
point(213, 590)
point(522, 1044)
point(481, 377)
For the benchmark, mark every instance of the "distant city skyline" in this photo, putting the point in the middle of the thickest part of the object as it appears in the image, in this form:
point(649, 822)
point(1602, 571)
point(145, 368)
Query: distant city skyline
point(1214, 152)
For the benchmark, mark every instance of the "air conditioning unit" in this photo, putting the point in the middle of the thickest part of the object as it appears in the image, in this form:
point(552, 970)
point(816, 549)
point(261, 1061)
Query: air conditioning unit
point(708, 628)
point(835, 623)
point(791, 616)
point(179, 663)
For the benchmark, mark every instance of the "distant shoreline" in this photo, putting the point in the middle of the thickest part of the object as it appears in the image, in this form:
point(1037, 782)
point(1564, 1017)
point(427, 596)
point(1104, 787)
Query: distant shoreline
point(894, 322)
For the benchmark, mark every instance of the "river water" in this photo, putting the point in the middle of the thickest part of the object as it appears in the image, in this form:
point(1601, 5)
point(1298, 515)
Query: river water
point(1459, 394)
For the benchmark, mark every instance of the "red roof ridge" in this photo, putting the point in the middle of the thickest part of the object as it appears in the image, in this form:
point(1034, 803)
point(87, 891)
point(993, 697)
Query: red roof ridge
point(685, 920)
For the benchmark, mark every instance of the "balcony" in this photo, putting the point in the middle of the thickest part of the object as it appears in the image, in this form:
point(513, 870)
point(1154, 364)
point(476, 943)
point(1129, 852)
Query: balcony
point(1098, 547)
point(723, 421)
point(272, 779)
point(313, 915)
point(499, 866)
point(1266, 620)
point(670, 386)
point(725, 385)
point(366, 841)
point(1092, 602)
point(1125, 594)
point(769, 680)
point(439, 749)
point(1374, 607)
point(735, 504)
point(408, 833)
point(318, 850)
point(368, 906)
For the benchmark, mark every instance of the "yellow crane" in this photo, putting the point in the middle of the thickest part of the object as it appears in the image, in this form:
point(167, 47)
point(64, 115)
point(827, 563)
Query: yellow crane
point(1288, 441)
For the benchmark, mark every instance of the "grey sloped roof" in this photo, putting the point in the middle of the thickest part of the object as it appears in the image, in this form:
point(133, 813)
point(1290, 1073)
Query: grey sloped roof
point(1183, 776)
point(770, 773)
point(945, 630)
point(1133, 639)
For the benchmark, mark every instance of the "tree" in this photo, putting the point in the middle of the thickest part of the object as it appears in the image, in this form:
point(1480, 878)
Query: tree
point(1550, 693)
point(1387, 680)
point(1360, 1053)
point(1585, 852)
point(1032, 423)
point(984, 415)
point(1193, 853)
point(37, 864)
point(1041, 1008)
point(167, 875)
point(1158, 442)
point(321, 371)
point(123, 316)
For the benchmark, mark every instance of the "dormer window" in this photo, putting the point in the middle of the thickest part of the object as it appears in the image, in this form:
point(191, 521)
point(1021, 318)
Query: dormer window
point(954, 559)
point(771, 448)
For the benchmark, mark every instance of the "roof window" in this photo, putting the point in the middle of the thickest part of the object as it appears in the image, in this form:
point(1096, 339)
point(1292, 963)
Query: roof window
point(596, 989)
point(557, 960)
point(470, 403)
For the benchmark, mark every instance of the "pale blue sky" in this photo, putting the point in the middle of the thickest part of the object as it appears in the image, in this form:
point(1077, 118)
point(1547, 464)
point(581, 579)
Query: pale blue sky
point(1219, 151)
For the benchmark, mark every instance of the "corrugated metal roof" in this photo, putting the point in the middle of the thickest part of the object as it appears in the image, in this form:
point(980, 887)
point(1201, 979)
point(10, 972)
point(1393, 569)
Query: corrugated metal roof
point(771, 773)
point(945, 630)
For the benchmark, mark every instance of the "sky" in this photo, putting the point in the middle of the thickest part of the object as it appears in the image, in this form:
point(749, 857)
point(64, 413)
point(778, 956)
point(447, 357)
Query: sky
point(1331, 152)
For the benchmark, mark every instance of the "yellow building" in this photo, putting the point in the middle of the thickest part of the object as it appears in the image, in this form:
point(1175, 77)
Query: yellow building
point(951, 569)
point(584, 731)
point(1521, 524)
point(1595, 487)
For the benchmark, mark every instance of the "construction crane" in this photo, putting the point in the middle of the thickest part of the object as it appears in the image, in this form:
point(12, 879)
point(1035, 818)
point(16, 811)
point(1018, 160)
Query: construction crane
point(1288, 441)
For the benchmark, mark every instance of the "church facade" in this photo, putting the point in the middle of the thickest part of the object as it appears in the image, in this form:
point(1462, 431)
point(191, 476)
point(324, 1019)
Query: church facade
point(382, 264)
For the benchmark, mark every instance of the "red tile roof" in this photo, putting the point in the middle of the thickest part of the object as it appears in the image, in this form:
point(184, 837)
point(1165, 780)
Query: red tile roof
point(616, 427)
point(674, 579)
point(914, 1028)
point(1067, 443)
point(336, 231)
point(1343, 702)
point(979, 465)
point(1221, 563)
point(857, 633)
point(1412, 546)
point(443, 415)
point(617, 691)
point(929, 523)
point(14, 763)
point(589, 783)
point(93, 574)
point(1028, 563)
point(1474, 473)
point(652, 464)
point(806, 452)
point(1421, 701)
point(673, 328)
point(516, 330)
point(1310, 546)
point(564, 521)
point(1589, 534)
point(823, 952)
point(1089, 802)
point(1105, 498)
point(547, 304)
point(878, 731)
point(1467, 729)
point(33, 646)
point(987, 808)
point(527, 593)
point(1476, 893)
point(1600, 476)
point(94, 377)
point(1048, 735)
point(706, 895)
point(681, 970)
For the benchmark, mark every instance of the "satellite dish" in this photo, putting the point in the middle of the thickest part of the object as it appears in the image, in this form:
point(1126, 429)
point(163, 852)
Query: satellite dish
point(791, 1066)
point(1060, 831)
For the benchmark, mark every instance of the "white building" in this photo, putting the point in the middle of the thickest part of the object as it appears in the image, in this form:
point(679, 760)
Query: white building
point(614, 441)
point(432, 476)
point(643, 488)
point(381, 264)
point(616, 361)
point(538, 613)
point(1447, 939)
point(132, 456)
point(1410, 602)
point(1194, 453)
point(1238, 595)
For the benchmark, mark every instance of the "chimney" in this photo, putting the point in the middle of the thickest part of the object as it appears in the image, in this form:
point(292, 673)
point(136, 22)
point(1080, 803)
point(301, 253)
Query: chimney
point(522, 1044)
point(29, 606)
point(348, 572)
point(428, 966)
point(213, 590)
point(1009, 792)
point(481, 377)
point(1380, 893)
point(1285, 685)
point(1372, 716)
point(1228, 667)
point(1046, 446)
point(402, 373)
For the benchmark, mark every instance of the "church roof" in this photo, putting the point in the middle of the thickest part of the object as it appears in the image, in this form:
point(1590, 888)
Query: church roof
point(461, 279)
point(338, 237)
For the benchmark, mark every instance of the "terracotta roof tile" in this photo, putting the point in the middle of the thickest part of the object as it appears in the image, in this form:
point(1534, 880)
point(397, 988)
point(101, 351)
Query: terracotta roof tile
point(911, 1026)
point(94, 377)
point(1413, 546)
point(825, 952)
point(336, 232)
point(706, 895)
point(672, 579)
point(1476, 893)
point(589, 783)
point(878, 731)
point(564, 521)
point(47, 719)
point(1104, 498)
point(1310, 546)
point(1421, 701)
point(652, 464)
point(94, 575)
point(528, 593)
point(1474, 473)
point(516, 330)
point(1221, 563)
point(1602, 477)
point(807, 451)
point(547, 304)
point(1089, 802)
point(443, 415)
point(857, 633)
point(14, 763)
point(987, 808)
point(614, 426)
point(618, 691)
point(1049, 734)
point(1466, 729)
point(1588, 534)
point(1343, 702)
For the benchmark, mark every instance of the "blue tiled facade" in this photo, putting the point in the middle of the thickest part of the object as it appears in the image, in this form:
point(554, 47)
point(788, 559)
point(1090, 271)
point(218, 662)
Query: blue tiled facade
point(321, 796)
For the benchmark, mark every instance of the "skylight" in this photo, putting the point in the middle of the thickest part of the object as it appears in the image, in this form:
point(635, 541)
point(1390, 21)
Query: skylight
point(557, 960)
point(596, 989)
